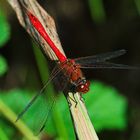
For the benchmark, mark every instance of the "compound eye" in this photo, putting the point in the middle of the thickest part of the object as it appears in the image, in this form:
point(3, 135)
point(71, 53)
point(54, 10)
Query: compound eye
point(87, 83)
point(82, 88)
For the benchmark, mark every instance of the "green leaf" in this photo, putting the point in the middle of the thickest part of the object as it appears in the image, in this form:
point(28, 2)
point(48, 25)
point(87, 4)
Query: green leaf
point(17, 99)
point(137, 3)
point(4, 29)
point(3, 65)
point(64, 122)
point(3, 135)
point(106, 107)
point(7, 129)
point(11, 116)
point(33, 116)
point(97, 10)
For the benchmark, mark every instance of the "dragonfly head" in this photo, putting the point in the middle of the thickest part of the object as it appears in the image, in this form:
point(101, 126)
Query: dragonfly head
point(83, 86)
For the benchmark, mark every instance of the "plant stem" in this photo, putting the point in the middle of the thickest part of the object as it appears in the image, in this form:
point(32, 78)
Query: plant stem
point(82, 122)
point(11, 116)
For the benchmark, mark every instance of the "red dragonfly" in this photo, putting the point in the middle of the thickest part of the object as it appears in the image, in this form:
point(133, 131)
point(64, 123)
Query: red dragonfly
point(71, 68)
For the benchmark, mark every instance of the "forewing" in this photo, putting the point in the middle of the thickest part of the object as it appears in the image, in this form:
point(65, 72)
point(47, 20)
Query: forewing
point(40, 105)
point(100, 57)
point(39, 112)
point(62, 81)
point(107, 65)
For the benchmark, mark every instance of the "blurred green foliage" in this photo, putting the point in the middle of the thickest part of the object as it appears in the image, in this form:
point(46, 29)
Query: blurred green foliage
point(3, 136)
point(4, 29)
point(106, 107)
point(4, 36)
point(137, 2)
point(3, 65)
point(97, 11)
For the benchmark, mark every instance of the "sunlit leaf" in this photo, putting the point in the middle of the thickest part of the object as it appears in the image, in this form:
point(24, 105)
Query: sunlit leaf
point(3, 135)
point(4, 29)
point(17, 99)
point(3, 65)
point(106, 107)
point(7, 130)
point(64, 124)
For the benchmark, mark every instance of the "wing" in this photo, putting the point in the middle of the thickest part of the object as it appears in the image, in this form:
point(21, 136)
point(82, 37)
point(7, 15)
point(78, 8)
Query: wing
point(54, 73)
point(42, 123)
point(39, 109)
point(106, 65)
point(100, 57)
point(43, 114)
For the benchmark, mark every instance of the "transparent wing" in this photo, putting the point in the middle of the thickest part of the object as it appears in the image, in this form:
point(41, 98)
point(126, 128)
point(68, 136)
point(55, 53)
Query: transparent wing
point(52, 76)
point(46, 115)
point(39, 107)
point(100, 57)
point(44, 107)
point(62, 81)
point(106, 65)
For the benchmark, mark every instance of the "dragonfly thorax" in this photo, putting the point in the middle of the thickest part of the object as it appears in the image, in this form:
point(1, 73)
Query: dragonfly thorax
point(73, 72)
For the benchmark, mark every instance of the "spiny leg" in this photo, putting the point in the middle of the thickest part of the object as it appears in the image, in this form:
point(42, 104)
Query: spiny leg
point(82, 98)
point(73, 99)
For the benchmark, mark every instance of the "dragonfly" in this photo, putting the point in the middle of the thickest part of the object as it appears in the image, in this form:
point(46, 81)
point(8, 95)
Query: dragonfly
point(71, 68)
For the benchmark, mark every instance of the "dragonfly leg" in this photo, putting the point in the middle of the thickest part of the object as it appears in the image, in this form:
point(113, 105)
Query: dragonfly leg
point(73, 99)
point(70, 104)
point(82, 98)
